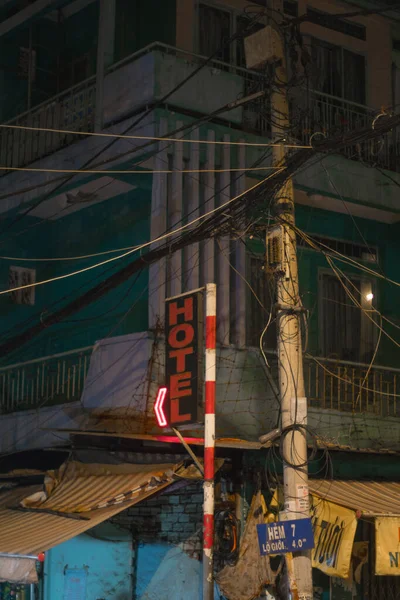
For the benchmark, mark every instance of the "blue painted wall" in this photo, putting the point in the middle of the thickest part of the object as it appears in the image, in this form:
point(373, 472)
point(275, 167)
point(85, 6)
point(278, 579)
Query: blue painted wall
point(105, 555)
point(164, 572)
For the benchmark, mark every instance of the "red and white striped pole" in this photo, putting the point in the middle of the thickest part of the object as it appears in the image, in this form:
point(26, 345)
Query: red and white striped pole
point(209, 441)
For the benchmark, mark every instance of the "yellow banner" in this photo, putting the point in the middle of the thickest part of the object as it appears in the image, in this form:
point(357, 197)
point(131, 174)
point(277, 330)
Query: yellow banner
point(334, 529)
point(387, 546)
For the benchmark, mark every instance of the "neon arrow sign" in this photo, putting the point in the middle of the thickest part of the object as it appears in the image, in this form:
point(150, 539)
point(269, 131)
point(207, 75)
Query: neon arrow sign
point(159, 407)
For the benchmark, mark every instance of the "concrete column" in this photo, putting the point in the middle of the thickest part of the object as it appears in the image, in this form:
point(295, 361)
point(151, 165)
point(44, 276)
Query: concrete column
point(175, 215)
point(223, 252)
point(105, 54)
point(240, 260)
point(192, 258)
point(209, 204)
point(157, 271)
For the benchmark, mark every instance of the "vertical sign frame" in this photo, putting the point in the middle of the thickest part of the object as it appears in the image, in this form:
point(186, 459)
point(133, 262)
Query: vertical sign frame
point(184, 349)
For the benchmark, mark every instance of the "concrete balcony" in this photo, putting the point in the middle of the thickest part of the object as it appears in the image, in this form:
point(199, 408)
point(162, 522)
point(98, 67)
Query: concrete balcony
point(39, 395)
point(130, 85)
point(112, 386)
point(318, 113)
point(72, 110)
point(352, 403)
point(47, 380)
point(352, 387)
point(145, 77)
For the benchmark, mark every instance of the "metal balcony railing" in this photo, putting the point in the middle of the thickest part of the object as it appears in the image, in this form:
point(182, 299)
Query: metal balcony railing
point(316, 112)
point(72, 110)
point(311, 112)
point(352, 387)
point(347, 386)
point(329, 384)
point(44, 381)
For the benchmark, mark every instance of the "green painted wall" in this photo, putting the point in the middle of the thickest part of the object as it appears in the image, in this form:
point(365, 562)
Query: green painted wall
point(119, 222)
point(342, 465)
point(341, 226)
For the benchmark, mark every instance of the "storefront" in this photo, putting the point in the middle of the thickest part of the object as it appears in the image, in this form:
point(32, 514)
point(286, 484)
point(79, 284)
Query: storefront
point(56, 539)
point(357, 539)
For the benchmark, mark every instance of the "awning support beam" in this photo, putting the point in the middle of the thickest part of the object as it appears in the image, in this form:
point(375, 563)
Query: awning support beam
point(189, 450)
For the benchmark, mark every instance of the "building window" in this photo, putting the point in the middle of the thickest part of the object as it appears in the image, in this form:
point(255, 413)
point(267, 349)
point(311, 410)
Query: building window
point(338, 72)
point(290, 8)
point(72, 72)
point(216, 27)
point(346, 332)
point(257, 317)
point(341, 25)
point(17, 277)
point(351, 249)
point(214, 31)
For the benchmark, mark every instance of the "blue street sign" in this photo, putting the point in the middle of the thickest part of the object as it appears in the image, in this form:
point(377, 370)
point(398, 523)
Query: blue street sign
point(285, 536)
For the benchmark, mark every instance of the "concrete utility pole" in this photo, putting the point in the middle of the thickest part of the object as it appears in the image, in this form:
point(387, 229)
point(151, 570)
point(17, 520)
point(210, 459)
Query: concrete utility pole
point(289, 315)
point(267, 45)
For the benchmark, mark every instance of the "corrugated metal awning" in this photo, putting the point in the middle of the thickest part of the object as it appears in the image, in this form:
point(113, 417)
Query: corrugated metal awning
point(78, 487)
point(78, 498)
point(372, 498)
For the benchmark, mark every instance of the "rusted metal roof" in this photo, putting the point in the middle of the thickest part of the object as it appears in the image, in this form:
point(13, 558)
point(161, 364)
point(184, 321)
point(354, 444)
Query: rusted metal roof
point(79, 487)
point(29, 532)
point(345, 448)
point(372, 498)
point(235, 443)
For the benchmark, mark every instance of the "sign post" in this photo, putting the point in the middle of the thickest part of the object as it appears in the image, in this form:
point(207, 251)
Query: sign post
point(209, 441)
point(178, 401)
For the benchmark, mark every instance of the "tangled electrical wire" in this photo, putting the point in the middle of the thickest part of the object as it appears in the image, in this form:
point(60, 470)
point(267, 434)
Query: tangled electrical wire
point(227, 536)
point(247, 206)
point(318, 458)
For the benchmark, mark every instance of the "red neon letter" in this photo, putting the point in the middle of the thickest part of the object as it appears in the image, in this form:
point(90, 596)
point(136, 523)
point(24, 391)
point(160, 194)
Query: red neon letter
point(159, 407)
point(186, 310)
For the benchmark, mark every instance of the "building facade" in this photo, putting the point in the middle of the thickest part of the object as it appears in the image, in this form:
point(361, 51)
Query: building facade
point(92, 85)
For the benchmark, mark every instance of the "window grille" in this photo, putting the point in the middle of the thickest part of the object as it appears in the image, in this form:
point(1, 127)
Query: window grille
point(19, 276)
